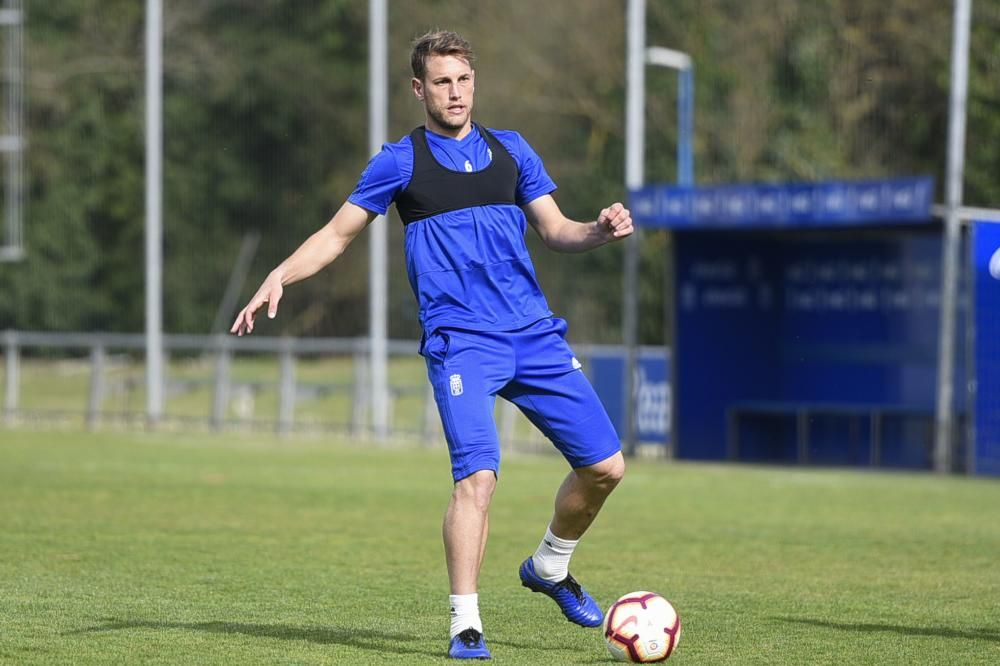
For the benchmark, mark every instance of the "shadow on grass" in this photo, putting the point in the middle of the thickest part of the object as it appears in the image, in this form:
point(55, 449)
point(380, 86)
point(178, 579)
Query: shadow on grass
point(523, 645)
point(377, 641)
point(992, 635)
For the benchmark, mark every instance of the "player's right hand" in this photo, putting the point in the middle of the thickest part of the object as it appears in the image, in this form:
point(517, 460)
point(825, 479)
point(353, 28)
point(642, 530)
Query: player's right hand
point(270, 292)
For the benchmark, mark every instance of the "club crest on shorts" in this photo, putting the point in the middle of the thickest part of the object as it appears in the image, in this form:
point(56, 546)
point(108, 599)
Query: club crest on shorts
point(455, 381)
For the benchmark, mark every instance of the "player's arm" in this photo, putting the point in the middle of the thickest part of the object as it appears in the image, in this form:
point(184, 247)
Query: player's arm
point(317, 252)
point(562, 234)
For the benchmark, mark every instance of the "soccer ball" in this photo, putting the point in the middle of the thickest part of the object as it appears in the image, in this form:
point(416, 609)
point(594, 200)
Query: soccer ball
point(642, 627)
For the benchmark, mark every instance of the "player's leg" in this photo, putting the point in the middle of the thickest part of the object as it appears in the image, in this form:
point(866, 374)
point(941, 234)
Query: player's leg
point(577, 503)
point(553, 393)
point(466, 372)
point(465, 530)
point(597, 468)
point(582, 495)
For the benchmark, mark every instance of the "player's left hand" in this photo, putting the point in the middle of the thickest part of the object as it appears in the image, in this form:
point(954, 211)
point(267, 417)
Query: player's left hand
point(615, 221)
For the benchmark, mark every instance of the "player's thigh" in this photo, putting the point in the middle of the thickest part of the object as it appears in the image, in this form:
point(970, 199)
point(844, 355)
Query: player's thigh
point(567, 410)
point(466, 373)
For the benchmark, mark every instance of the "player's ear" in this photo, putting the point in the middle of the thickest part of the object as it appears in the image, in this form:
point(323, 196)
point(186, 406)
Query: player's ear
point(418, 88)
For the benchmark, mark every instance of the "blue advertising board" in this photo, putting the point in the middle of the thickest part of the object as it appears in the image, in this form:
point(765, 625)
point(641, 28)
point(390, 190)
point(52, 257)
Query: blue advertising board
point(755, 206)
point(986, 263)
point(651, 386)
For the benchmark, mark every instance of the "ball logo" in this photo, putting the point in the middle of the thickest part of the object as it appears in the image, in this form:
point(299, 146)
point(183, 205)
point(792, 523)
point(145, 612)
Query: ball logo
point(995, 265)
point(455, 381)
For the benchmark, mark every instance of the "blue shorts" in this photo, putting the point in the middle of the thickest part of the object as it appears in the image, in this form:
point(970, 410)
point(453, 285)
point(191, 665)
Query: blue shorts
point(532, 367)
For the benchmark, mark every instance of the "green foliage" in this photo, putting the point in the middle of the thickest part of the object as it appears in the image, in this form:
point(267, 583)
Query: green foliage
point(266, 130)
point(983, 148)
point(265, 101)
point(118, 548)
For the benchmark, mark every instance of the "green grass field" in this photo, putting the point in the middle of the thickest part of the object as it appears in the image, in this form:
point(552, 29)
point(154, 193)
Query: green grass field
point(132, 548)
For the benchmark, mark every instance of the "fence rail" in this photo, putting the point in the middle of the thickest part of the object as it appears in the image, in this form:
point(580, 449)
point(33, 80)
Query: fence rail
point(228, 400)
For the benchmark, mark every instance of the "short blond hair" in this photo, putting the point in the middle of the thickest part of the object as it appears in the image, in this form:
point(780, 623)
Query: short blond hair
point(441, 43)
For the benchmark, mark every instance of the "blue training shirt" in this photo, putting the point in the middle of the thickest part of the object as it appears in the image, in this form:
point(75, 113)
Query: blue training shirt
point(468, 268)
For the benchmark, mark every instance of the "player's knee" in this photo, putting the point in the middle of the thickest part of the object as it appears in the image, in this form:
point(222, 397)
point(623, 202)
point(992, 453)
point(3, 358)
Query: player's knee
point(616, 470)
point(606, 474)
point(477, 489)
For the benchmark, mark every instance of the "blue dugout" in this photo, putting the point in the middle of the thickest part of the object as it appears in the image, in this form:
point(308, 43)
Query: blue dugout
point(807, 320)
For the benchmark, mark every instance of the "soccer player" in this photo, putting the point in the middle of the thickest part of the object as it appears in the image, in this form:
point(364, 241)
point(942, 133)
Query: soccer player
point(466, 194)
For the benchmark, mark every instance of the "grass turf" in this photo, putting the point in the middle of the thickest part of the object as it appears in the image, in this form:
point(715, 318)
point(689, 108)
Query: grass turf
point(130, 548)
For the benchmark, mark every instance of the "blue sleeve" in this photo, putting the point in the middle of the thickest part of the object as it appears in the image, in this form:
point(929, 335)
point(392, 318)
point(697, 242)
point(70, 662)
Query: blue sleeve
point(387, 174)
point(533, 181)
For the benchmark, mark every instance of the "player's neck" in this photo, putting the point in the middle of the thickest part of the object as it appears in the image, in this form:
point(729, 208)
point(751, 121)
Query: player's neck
point(457, 134)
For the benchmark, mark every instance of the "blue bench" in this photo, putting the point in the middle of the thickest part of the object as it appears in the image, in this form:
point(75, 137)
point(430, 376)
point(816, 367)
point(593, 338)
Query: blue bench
point(871, 417)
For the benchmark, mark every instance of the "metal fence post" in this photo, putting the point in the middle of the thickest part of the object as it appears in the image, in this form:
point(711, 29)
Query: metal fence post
point(432, 422)
point(220, 394)
point(286, 391)
point(362, 394)
point(12, 358)
point(95, 400)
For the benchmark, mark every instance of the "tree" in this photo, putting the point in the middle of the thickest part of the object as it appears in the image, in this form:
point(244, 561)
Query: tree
point(266, 130)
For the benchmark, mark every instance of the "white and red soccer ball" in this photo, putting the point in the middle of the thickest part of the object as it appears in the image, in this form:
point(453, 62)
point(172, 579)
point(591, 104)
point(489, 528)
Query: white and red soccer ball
point(642, 627)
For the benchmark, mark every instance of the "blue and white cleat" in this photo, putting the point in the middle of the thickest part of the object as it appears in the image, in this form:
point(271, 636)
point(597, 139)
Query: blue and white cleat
point(469, 644)
point(578, 606)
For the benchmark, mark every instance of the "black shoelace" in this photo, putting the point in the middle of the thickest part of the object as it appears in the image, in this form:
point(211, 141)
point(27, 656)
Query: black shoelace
point(573, 586)
point(470, 637)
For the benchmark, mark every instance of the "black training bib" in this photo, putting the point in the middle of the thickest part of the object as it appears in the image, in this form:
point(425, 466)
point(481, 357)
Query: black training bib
point(434, 189)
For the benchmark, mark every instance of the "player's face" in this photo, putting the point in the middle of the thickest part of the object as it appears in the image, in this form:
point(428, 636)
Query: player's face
point(447, 91)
